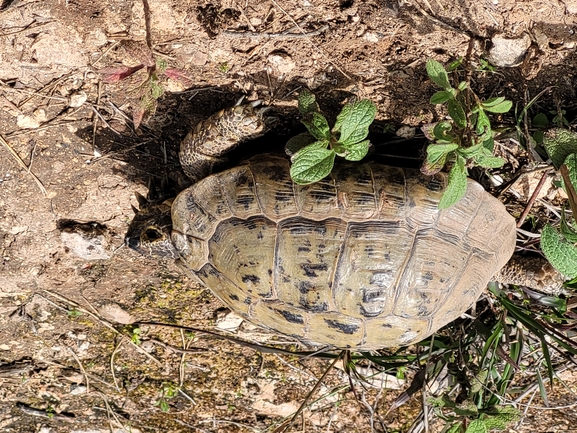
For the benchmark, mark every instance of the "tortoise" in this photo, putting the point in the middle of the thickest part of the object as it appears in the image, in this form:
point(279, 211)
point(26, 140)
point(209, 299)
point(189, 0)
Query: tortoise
point(362, 260)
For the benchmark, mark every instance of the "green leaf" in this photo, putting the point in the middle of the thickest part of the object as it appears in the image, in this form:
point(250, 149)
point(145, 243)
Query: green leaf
point(483, 122)
point(454, 428)
point(471, 152)
point(540, 121)
point(311, 164)
point(457, 184)
point(438, 151)
point(476, 426)
point(441, 130)
point(437, 74)
point(560, 253)
point(318, 126)
point(567, 230)
point(466, 408)
point(489, 161)
point(297, 142)
point(502, 107)
point(462, 85)
point(357, 151)
point(491, 102)
point(478, 382)
point(559, 144)
point(457, 113)
point(437, 155)
point(440, 97)
point(499, 418)
point(307, 102)
point(455, 64)
point(353, 122)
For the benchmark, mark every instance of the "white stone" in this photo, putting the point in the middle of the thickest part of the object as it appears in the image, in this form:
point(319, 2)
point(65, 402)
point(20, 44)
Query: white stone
point(508, 52)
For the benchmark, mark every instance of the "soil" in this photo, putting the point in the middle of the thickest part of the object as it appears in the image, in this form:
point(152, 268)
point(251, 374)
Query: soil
point(66, 364)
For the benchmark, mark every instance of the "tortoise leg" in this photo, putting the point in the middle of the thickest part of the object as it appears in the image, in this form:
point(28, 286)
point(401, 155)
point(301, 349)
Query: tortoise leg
point(206, 145)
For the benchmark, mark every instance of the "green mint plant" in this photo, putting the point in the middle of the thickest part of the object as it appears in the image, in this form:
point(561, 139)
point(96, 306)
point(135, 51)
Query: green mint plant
point(559, 245)
point(467, 417)
point(466, 139)
point(313, 153)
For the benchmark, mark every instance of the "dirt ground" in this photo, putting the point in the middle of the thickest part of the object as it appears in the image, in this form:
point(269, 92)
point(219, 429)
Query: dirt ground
point(63, 366)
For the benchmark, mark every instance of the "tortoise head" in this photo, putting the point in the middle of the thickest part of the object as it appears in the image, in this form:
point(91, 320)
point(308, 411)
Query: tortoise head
point(149, 233)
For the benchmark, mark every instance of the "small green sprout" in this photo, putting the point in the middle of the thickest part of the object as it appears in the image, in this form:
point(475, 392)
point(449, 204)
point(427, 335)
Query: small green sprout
point(224, 67)
point(169, 390)
point(74, 313)
point(135, 335)
point(313, 153)
point(467, 139)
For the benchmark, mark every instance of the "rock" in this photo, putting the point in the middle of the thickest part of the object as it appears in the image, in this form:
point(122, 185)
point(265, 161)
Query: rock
point(283, 63)
point(406, 132)
point(115, 313)
point(77, 99)
point(228, 321)
point(508, 52)
point(27, 122)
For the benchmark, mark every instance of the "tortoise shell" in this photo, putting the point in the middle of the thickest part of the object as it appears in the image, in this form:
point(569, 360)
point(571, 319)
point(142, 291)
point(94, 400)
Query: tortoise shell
point(361, 260)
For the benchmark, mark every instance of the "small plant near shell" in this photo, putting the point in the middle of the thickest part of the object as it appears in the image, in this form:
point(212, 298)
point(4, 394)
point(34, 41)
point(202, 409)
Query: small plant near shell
point(466, 139)
point(313, 153)
point(148, 88)
point(559, 245)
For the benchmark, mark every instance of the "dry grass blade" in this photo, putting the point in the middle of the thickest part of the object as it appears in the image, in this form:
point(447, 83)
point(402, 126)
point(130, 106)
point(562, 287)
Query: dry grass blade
point(23, 165)
point(287, 424)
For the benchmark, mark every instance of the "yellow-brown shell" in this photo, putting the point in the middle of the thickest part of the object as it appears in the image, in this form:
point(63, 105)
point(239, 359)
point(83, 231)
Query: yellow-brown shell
point(362, 260)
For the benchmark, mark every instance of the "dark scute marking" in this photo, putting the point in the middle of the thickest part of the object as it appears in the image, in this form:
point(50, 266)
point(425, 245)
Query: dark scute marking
point(233, 297)
point(396, 177)
point(428, 276)
point(387, 325)
point(345, 328)
point(291, 317)
point(434, 184)
point(282, 197)
point(371, 295)
point(245, 201)
point(311, 269)
point(276, 172)
point(305, 287)
point(365, 198)
point(314, 308)
point(249, 224)
point(304, 249)
point(252, 278)
point(247, 301)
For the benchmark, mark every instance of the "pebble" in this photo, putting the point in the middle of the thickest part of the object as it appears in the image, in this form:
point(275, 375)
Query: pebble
point(228, 321)
point(508, 52)
point(115, 313)
point(77, 99)
point(406, 132)
point(283, 63)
